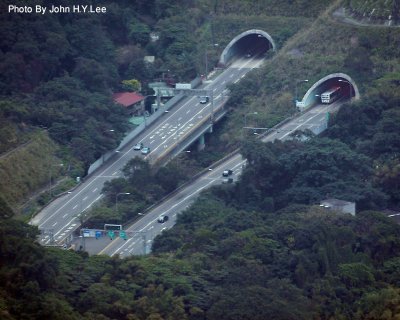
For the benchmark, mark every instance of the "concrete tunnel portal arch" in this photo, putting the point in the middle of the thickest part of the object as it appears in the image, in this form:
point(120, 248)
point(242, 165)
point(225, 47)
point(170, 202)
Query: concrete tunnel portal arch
point(347, 84)
point(252, 42)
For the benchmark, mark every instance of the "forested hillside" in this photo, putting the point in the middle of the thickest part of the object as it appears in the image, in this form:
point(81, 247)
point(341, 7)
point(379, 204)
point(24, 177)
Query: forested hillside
point(261, 248)
point(218, 262)
point(58, 72)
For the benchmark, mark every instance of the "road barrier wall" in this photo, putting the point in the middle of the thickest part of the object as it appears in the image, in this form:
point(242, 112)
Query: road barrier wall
point(139, 129)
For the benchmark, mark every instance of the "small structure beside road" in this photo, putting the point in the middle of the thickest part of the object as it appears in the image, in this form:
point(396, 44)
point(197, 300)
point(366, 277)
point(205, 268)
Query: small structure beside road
point(131, 100)
point(339, 206)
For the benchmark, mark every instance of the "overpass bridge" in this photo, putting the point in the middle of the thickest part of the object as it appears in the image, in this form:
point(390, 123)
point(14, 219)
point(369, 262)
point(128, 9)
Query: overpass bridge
point(171, 132)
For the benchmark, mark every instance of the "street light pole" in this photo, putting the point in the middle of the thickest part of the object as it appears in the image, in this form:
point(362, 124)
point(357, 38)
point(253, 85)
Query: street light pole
point(116, 199)
point(245, 120)
point(51, 176)
point(206, 56)
point(247, 114)
point(144, 109)
point(296, 83)
point(212, 106)
point(102, 156)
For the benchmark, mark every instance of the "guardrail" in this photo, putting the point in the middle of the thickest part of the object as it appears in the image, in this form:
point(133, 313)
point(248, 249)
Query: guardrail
point(207, 121)
point(212, 166)
point(139, 129)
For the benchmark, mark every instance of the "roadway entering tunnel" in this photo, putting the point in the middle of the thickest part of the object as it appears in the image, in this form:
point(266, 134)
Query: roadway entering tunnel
point(328, 89)
point(251, 43)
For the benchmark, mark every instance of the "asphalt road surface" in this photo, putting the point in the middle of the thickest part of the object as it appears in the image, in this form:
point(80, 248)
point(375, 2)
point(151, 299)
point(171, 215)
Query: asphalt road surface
point(61, 217)
point(148, 227)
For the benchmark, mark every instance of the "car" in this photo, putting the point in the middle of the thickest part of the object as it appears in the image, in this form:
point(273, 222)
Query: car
point(163, 218)
point(204, 99)
point(227, 180)
point(145, 150)
point(227, 173)
point(138, 146)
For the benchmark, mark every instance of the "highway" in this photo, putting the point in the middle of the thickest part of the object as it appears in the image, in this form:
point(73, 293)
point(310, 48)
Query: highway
point(59, 219)
point(149, 227)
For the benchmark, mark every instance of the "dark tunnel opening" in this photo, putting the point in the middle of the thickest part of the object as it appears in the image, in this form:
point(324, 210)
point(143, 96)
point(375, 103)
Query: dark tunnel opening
point(251, 45)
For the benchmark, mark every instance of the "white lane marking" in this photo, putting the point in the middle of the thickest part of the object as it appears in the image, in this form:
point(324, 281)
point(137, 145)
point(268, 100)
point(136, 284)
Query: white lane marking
point(84, 198)
point(152, 141)
point(73, 219)
point(65, 215)
point(90, 204)
point(95, 190)
point(188, 111)
point(74, 207)
point(116, 172)
point(302, 124)
point(126, 154)
point(55, 223)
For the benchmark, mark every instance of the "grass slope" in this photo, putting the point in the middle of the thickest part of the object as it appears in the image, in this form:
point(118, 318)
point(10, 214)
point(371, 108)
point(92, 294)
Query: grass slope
point(27, 168)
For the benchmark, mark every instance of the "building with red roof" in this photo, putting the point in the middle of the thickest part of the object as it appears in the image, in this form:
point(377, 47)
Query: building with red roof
point(130, 100)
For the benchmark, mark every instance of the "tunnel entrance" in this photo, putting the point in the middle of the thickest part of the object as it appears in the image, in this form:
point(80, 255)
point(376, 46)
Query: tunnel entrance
point(249, 44)
point(334, 87)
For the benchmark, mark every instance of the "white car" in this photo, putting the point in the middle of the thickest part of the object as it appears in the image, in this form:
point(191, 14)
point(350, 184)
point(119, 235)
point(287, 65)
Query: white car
point(138, 146)
point(204, 99)
point(145, 150)
point(162, 219)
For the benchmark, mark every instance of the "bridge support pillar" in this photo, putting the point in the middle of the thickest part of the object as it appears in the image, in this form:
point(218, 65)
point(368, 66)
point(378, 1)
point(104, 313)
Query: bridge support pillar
point(202, 143)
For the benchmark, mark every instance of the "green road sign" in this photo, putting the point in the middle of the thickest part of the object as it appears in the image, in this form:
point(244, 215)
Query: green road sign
point(111, 234)
point(122, 234)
